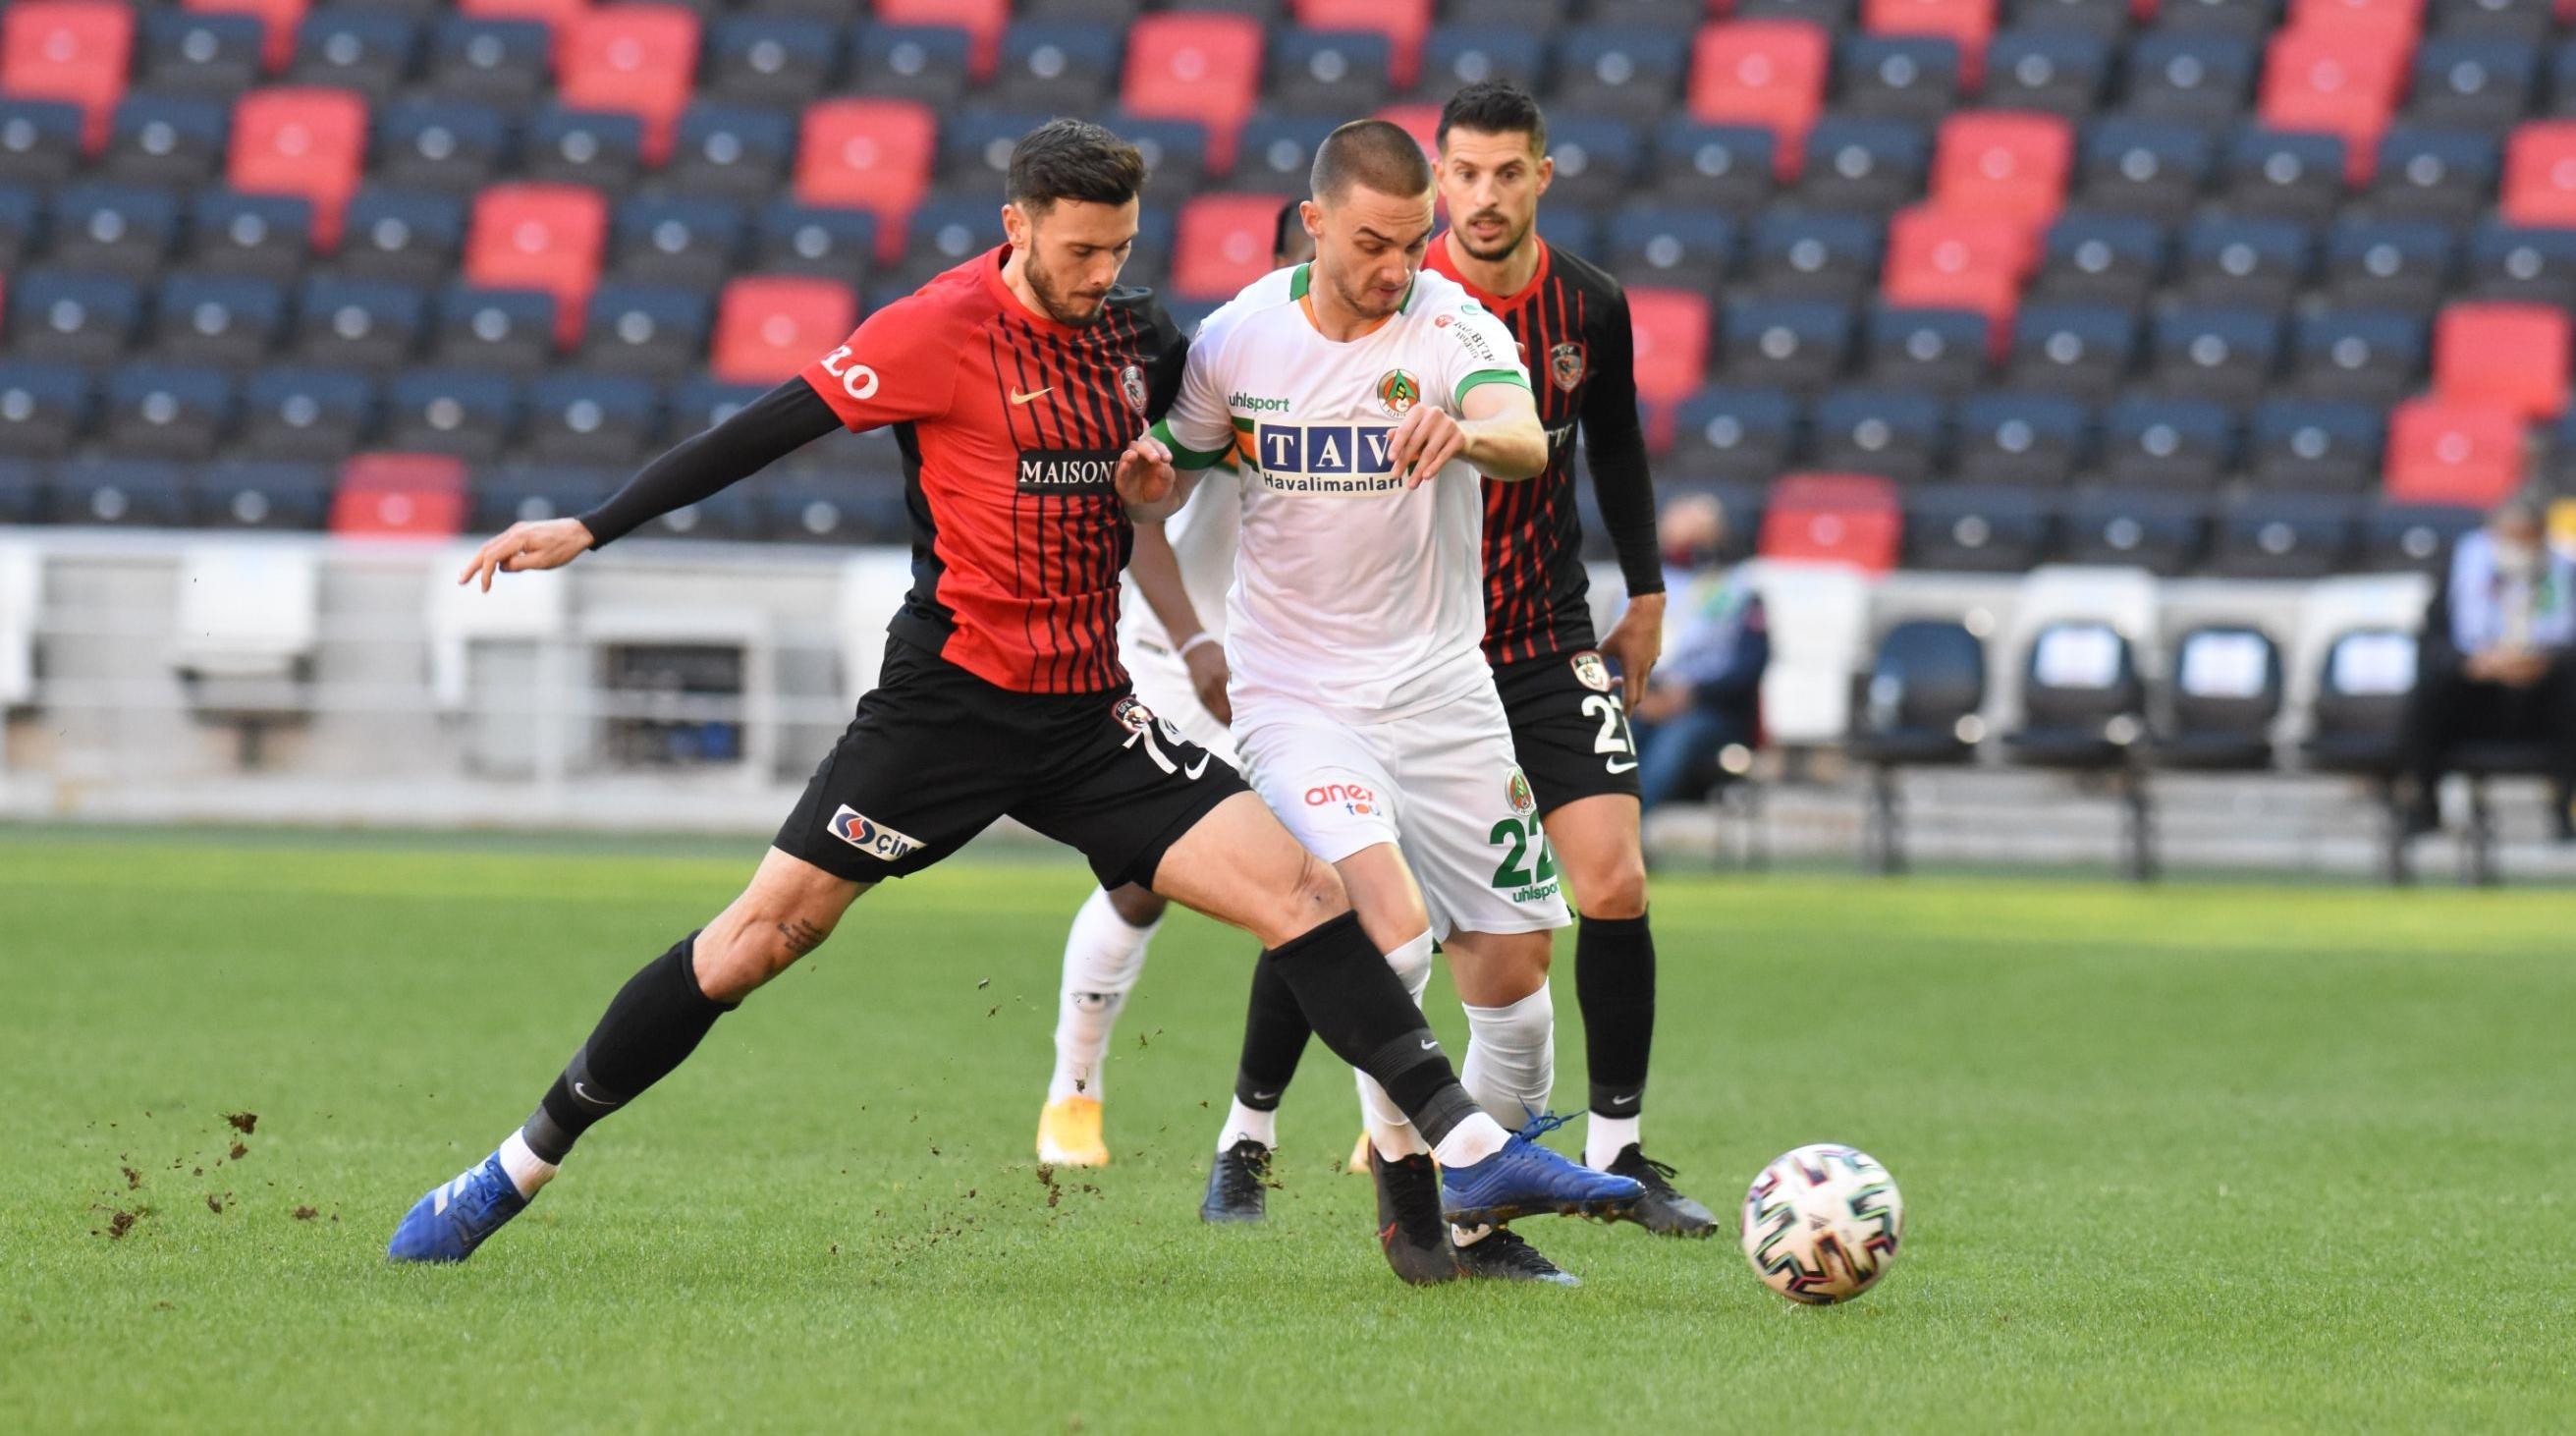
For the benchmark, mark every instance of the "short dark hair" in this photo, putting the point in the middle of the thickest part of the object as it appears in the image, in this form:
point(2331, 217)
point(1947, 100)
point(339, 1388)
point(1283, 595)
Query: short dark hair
point(1289, 224)
point(1374, 153)
point(1494, 107)
point(1074, 159)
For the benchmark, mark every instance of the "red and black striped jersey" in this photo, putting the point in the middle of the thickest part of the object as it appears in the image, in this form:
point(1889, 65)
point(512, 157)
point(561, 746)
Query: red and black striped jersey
point(1010, 426)
point(1572, 323)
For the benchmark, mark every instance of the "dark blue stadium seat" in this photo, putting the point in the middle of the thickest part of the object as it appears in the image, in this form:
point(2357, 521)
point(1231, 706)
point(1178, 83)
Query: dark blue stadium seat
point(22, 490)
point(1939, 351)
point(1894, 433)
point(2050, 71)
point(700, 404)
point(127, 491)
point(1459, 55)
point(2205, 79)
point(114, 229)
point(944, 234)
point(2100, 19)
point(1729, 167)
point(410, 236)
point(1175, 151)
point(367, 324)
point(1327, 72)
point(1832, 16)
point(2081, 350)
point(501, 62)
point(72, 318)
point(1634, 73)
point(161, 140)
point(158, 411)
point(824, 509)
point(509, 331)
point(1596, 159)
point(532, 492)
point(2293, 535)
point(2442, 175)
point(2535, 266)
point(1798, 254)
point(2020, 440)
point(2221, 699)
point(2526, 20)
point(909, 62)
point(40, 141)
point(2150, 167)
point(1795, 344)
point(468, 414)
point(22, 216)
point(604, 419)
point(2317, 446)
point(2170, 445)
point(734, 152)
point(2247, 18)
point(974, 160)
point(321, 415)
point(2399, 264)
point(600, 148)
point(1864, 164)
point(657, 332)
point(2150, 527)
point(265, 236)
point(794, 238)
point(222, 321)
point(1067, 68)
point(451, 145)
point(263, 494)
point(770, 60)
point(44, 407)
point(1565, 227)
point(356, 48)
point(2412, 538)
point(2254, 263)
point(2472, 82)
point(1676, 248)
point(2100, 258)
point(1734, 435)
point(2562, 79)
point(693, 242)
point(1276, 152)
point(2288, 175)
point(191, 52)
point(1897, 77)
point(2214, 353)
point(1978, 528)
point(2369, 355)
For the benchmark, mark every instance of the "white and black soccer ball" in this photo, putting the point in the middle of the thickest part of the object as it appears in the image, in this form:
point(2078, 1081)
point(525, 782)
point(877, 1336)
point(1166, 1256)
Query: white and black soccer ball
point(1822, 1223)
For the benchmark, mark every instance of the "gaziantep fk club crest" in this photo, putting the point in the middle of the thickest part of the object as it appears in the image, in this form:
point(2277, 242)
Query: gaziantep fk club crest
point(1565, 365)
point(1398, 392)
point(1131, 382)
point(1591, 672)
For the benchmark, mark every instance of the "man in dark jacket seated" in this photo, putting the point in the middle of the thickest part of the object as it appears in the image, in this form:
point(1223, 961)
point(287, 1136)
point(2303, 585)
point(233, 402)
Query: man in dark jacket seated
point(1706, 694)
point(2498, 660)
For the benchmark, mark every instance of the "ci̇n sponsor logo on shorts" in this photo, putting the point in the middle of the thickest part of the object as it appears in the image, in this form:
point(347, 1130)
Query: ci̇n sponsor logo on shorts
point(873, 838)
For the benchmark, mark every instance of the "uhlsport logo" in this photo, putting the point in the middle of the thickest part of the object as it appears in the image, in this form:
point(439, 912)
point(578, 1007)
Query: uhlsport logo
point(1517, 789)
point(1398, 391)
point(1565, 365)
point(872, 838)
point(1355, 798)
point(1591, 672)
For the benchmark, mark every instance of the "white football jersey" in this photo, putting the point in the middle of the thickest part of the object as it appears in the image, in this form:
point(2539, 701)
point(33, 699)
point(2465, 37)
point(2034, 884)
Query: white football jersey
point(1203, 537)
point(1352, 593)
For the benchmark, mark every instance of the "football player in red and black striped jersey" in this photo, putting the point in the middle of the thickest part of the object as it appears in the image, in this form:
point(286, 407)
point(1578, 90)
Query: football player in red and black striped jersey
point(1019, 385)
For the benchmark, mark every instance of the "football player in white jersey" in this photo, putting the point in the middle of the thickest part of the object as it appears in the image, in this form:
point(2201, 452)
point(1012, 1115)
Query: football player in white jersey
point(1171, 636)
point(1363, 396)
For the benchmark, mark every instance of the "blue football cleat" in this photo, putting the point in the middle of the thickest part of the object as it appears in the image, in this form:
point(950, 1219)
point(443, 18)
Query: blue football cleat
point(449, 1223)
point(1525, 1179)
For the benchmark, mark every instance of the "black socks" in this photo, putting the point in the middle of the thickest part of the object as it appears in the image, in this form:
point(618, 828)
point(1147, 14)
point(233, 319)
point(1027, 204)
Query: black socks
point(1360, 1008)
point(1614, 985)
point(651, 1027)
point(1274, 1038)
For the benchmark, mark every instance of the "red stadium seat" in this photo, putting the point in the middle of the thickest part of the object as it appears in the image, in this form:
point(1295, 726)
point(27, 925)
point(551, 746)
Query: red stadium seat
point(1201, 67)
point(2507, 356)
point(400, 496)
point(2441, 452)
point(278, 20)
point(540, 236)
point(868, 154)
point(1223, 245)
point(1969, 23)
point(1762, 72)
point(311, 143)
point(1944, 258)
point(1404, 23)
point(1418, 118)
point(70, 51)
point(2540, 175)
point(634, 59)
point(1834, 518)
point(982, 20)
point(1990, 162)
point(1672, 328)
point(2335, 82)
point(768, 328)
point(2396, 22)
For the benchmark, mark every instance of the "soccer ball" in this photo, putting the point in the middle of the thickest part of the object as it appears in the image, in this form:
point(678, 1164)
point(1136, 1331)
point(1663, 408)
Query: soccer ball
point(1821, 1223)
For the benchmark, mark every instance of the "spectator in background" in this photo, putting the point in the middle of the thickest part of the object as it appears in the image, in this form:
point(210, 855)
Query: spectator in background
point(2498, 658)
point(1706, 693)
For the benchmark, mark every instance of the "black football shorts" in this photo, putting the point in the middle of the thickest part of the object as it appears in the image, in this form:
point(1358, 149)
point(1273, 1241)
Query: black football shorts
point(1569, 727)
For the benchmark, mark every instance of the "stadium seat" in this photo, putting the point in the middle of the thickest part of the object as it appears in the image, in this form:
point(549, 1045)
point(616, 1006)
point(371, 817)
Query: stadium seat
point(590, 419)
point(1893, 434)
point(2225, 692)
point(2473, 84)
point(1193, 66)
point(2264, 535)
point(306, 413)
point(454, 146)
point(2525, 20)
point(2144, 167)
point(508, 331)
point(1742, 436)
point(649, 331)
point(2046, 71)
point(1175, 151)
point(547, 237)
point(73, 51)
point(692, 242)
point(1967, 256)
point(2090, 256)
point(1727, 167)
point(635, 59)
point(2219, 17)
point(400, 496)
point(926, 64)
point(262, 494)
point(1938, 351)
point(1634, 73)
point(780, 61)
point(278, 19)
point(1672, 329)
point(2204, 79)
point(307, 143)
point(2020, 440)
point(267, 236)
point(1405, 24)
point(2333, 81)
point(1459, 54)
point(2398, 536)
point(1596, 159)
point(156, 411)
point(730, 152)
point(2083, 702)
point(1849, 519)
point(412, 236)
point(792, 238)
point(599, 149)
point(2508, 356)
point(22, 215)
point(40, 141)
point(2291, 176)
point(2359, 709)
point(1897, 77)
point(944, 234)
point(2366, 355)
point(2004, 165)
point(2155, 529)
point(1966, 24)
point(113, 229)
point(1223, 244)
point(1792, 344)
point(2519, 265)
point(973, 161)
point(220, 321)
point(200, 56)
point(364, 51)
point(1978, 528)
point(983, 21)
point(2394, 23)
point(768, 329)
point(44, 408)
point(1674, 248)
point(867, 154)
point(1769, 73)
point(109, 491)
point(554, 15)
point(2213, 353)
point(462, 413)
point(2315, 446)
point(1863, 164)
point(156, 140)
point(493, 62)
point(72, 318)
point(2081, 350)
point(2168, 445)
point(2442, 175)
point(2540, 176)
point(2399, 264)
point(532, 492)
point(2254, 263)
point(1068, 69)
point(2442, 452)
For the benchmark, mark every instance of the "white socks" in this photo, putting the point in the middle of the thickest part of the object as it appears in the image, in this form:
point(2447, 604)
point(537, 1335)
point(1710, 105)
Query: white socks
point(1511, 1057)
point(1248, 1124)
point(1470, 1142)
point(1603, 1137)
point(528, 1171)
point(1386, 1122)
point(1103, 957)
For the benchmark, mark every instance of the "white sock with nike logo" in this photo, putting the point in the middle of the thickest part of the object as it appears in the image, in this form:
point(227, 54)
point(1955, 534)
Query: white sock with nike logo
point(1248, 1124)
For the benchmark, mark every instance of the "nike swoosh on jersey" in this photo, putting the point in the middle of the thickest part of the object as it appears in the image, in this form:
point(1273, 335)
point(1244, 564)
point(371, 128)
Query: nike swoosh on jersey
point(1020, 398)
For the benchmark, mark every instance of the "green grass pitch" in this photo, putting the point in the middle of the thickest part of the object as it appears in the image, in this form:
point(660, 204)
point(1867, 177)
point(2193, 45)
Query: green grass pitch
point(2215, 1157)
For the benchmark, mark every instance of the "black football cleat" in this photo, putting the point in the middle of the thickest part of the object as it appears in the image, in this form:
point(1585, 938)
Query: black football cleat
point(1238, 1187)
point(1410, 1228)
point(1663, 1210)
point(1502, 1256)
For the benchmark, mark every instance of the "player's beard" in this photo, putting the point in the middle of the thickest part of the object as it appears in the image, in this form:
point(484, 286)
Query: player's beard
point(1501, 249)
point(1078, 311)
point(1365, 302)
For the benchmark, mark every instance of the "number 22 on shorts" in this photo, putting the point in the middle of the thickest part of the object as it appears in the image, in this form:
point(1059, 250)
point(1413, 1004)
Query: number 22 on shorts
point(1525, 838)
